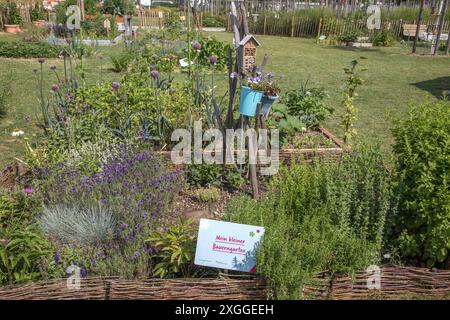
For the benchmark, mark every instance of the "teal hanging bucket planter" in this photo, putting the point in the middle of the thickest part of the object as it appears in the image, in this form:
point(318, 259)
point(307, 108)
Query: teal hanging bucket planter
point(249, 101)
point(266, 104)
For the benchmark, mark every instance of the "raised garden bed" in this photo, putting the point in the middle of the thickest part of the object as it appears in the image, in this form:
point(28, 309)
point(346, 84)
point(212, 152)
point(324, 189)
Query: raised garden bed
point(322, 143)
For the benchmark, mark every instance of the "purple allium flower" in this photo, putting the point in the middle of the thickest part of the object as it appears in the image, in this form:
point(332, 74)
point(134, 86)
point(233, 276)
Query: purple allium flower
point(41, 60)
point(115, 85)
point(196, 46)
point(28, 190)
point(213, 59)
point(64, 53)
point(55, 88)
point(57, 258)
point(35, 70)
point(53, 67)
point(154, 74)
point(123, 226)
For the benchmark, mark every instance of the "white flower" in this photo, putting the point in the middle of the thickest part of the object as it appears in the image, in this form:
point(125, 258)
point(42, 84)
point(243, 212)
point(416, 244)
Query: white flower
point(17, 133)
point(322, 37)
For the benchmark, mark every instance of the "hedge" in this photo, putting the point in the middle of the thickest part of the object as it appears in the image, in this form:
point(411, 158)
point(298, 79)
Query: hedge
point(17, 49)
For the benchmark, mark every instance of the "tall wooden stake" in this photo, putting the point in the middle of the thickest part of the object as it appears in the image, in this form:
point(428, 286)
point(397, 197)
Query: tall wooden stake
point(419, 22)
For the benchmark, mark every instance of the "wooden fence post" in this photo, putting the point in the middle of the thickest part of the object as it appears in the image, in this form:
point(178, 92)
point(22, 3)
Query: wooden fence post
point(292, 26)
point(265, 24)
point(160, 20)
point(319, 28)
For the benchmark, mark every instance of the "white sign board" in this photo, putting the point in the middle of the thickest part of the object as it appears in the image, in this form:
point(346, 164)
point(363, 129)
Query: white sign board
point(227, 245)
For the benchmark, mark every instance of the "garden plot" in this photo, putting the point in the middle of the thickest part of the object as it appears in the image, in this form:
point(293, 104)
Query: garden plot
point(97, 194)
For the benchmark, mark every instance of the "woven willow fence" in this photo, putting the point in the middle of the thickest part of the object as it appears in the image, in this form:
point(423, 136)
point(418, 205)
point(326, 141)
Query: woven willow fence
point(153, 289)
point(395, 283)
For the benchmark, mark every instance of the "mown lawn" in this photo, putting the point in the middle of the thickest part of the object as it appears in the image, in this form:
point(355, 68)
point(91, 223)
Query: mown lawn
point(392, 80)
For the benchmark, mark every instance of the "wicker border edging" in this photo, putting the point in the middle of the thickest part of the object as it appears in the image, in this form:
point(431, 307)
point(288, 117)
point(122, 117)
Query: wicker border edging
point(396, 282)
point(153, 289)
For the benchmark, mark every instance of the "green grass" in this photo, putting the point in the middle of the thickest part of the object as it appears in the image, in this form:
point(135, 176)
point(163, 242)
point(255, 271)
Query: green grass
point(389, 80)
point(389, 83)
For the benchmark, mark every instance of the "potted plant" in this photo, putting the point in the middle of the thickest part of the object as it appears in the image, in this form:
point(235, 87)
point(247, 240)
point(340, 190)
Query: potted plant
point(13, 18)
point(271, 93)
point(37, 15)
point(251, 95)
point(348, 39)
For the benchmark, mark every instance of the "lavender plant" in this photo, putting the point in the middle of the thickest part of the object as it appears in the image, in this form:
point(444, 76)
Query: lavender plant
point(137, 187)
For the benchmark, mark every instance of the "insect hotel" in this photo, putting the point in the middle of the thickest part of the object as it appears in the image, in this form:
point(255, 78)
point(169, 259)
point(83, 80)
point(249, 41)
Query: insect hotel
point(248, 46)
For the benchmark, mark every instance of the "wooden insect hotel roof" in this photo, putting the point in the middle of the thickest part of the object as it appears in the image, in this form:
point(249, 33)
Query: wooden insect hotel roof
point(247, 38)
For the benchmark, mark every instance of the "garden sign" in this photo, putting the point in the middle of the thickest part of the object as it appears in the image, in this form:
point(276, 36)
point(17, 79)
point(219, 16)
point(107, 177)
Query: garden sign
point(227, 245)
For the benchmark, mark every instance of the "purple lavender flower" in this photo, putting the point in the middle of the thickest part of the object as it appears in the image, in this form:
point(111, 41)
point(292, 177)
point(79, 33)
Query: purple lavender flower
point(115, 85)
point(213, 60)
point(57, 258)
point(196, 46)
point(136, 255)
point(55, 88)
point(154, 74)
point(83, 272)
point(41, 60)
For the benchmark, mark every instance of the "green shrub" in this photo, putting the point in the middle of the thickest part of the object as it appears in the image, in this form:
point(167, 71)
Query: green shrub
point(234, 178)
point(37, 12)
point(12, 13)
point(120, 7)
point(383, 39)
point(211, 46)
point(210, 194)
point(422, 149)
point(176, 250)
point(17, 210)
point(204, 175)
point(17, 49)
point(121, 61)
point(308, 105)
point(320, 216)
point(214, 21)
point(172, 25)
point(348, 37)
point(22, 255)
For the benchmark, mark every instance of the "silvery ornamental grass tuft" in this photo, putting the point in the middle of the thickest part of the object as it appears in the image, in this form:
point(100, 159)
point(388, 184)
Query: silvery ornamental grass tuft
point(72, 225)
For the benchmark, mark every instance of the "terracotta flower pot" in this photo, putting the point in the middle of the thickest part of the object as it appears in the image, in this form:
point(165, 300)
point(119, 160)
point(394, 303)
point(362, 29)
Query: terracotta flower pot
point(39, 23)
point(12, 28)
point(119, 19)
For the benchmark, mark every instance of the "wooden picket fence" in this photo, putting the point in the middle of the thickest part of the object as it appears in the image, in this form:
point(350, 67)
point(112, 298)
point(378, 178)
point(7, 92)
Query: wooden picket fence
point(149, 18)
point(293, 26)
